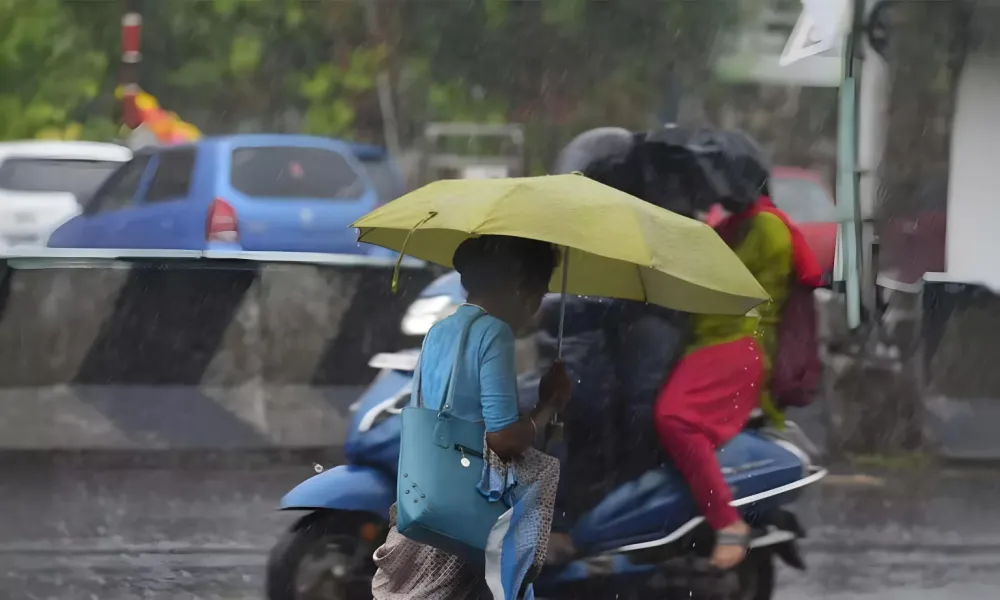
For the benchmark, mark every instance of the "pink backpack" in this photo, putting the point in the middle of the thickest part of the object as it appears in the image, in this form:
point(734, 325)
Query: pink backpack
point(796, 372)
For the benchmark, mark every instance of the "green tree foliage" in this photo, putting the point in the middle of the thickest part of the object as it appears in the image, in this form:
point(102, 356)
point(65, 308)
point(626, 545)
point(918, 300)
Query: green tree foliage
point(560, 65)
point(228, 65)
point(563, 60)
point(301, 65)
point(49, 69)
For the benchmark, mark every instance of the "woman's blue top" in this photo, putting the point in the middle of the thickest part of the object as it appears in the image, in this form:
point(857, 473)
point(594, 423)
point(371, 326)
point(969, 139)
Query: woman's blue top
point(486, 384)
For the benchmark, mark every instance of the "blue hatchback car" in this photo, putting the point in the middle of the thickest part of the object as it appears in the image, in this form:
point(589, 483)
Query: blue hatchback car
point(282, 193)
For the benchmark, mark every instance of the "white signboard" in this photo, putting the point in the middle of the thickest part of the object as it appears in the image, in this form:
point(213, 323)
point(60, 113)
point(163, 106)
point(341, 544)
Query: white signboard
point(485, 172)
point(141, 137)
point(820, 27)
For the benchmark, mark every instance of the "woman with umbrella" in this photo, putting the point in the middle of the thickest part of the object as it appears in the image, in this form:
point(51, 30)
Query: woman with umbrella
point(726, 371)
point(618, 246)
point(505, 278)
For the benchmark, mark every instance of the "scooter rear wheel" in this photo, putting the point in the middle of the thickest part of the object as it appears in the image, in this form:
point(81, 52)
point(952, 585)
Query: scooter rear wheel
point(753, 579)
point(756, 575)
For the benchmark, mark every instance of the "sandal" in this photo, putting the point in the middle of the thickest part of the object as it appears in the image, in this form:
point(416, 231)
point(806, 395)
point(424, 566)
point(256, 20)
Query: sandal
point(724, 554)
point(728, 538)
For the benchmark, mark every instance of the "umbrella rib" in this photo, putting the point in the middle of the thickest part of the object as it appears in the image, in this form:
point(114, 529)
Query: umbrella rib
point(639, 227)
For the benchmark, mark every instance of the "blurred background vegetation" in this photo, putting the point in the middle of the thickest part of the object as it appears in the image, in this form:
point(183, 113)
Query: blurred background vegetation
point(311, 66)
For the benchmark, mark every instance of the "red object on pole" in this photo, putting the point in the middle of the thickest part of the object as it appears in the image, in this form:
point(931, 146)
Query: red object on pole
point(128, 74)
point(131, 34)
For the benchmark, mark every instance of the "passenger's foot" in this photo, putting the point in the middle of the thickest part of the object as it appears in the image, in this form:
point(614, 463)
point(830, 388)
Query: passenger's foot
point(561, 550)
point(731, 545)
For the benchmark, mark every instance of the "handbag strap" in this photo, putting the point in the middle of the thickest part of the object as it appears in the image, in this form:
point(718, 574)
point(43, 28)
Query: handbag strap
point(453, 377)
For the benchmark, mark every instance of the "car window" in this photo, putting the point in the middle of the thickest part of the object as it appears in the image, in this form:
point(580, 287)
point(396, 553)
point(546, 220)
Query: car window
point(172, 178)
point(385, 179)
point(293, 172)
point(803, 200)
point(118, 191)
point(78, 177)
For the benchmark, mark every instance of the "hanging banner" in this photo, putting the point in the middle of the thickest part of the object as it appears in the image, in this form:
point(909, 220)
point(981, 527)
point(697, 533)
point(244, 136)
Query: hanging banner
point(821, 26)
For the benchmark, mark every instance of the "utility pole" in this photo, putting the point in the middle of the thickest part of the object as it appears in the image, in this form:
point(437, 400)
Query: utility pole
point(851, 222)
point(128, 71)
point(390, 128)
point(821, 25)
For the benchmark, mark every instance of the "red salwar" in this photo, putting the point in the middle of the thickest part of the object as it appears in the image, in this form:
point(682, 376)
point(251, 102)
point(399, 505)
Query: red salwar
point(705, 403)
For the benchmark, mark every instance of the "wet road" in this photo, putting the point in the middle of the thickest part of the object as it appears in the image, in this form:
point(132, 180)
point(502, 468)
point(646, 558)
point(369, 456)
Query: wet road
point(81, 534)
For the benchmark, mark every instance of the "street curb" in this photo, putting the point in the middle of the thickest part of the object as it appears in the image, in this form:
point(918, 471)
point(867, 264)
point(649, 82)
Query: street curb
point(842, 475)
point(911, 550)
point(193, 458)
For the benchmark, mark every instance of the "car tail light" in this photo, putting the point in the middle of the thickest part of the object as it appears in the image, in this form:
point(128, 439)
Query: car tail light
point(716, 215)
point(222, 224)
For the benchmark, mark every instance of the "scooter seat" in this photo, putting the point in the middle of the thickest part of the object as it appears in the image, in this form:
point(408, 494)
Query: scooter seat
point(659, 502)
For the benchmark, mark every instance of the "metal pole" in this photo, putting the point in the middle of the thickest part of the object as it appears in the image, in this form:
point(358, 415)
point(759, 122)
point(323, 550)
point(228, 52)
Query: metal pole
point(562, 302)
point(555, 428)
point(850, 233)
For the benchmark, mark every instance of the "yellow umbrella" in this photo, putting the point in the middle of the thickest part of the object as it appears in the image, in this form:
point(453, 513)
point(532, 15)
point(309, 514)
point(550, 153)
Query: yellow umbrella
point(618, 245)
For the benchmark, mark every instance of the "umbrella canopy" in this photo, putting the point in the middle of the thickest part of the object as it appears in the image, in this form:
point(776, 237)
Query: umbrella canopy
point(617, 245)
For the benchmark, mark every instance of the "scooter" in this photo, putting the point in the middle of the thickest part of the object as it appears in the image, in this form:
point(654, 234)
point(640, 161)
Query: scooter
point(644, 540)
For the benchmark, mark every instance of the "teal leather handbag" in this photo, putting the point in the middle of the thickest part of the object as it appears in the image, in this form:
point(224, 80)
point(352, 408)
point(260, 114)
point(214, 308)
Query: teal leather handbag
point(438, 502)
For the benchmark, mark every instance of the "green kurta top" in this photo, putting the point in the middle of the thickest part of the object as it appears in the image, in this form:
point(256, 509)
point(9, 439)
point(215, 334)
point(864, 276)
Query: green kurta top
point(766, 250)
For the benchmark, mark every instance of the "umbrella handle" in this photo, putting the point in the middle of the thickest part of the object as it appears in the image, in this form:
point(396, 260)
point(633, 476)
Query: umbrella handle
point(556, 421)
point(562, 301)
point(399, 260)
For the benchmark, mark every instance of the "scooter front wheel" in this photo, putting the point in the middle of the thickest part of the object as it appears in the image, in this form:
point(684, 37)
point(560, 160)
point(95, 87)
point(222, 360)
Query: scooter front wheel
point(325, 556)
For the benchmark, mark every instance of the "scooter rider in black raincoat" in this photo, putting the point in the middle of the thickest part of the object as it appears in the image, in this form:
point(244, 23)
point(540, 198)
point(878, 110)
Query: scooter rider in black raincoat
point(618, 352)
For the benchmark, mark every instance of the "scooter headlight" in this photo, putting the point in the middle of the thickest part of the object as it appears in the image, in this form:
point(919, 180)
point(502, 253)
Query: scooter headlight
point(425, 312)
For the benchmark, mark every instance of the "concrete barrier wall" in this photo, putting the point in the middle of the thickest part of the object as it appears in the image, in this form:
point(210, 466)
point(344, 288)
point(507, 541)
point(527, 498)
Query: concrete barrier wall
point(190, 353)
point(961, 343)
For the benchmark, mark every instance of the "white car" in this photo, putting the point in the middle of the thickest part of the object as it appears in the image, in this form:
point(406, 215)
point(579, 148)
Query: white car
point(43, 184)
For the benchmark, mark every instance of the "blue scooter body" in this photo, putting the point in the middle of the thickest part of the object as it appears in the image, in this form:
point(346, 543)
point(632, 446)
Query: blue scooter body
point(659, 502)
point(368, 482)
point(345, 487)
point(653, 510)
point(373, 436)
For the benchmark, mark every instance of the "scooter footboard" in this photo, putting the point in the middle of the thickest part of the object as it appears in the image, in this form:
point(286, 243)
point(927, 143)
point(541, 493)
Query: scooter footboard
point(783, 494)
point(346, 487)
